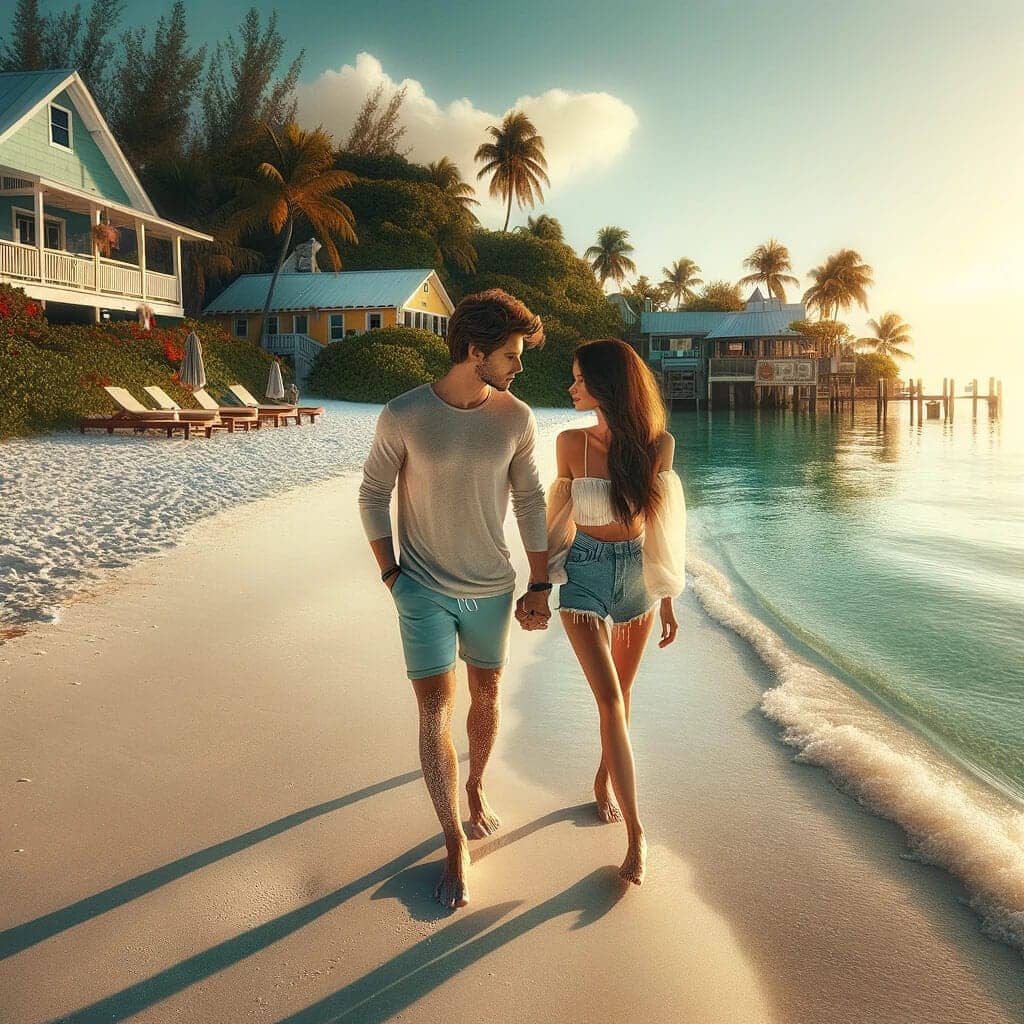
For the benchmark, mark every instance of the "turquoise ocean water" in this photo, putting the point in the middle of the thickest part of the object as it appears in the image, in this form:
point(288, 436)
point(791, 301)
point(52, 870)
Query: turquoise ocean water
point(893, 554)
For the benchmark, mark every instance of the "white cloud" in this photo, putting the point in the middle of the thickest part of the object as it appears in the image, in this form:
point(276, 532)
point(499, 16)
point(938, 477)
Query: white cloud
point(583, 132)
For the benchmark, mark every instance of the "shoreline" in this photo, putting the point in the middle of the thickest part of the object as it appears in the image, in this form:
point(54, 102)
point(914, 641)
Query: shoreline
point(170, 747)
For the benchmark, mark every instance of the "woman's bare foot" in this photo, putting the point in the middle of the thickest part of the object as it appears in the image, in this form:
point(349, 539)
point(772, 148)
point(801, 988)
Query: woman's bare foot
point(607, 809)
point(635, 864)
point(482, 819)
point(452, 889)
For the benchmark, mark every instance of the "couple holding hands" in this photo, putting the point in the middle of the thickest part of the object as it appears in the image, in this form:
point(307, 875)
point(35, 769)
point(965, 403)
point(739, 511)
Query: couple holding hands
point(611, 533)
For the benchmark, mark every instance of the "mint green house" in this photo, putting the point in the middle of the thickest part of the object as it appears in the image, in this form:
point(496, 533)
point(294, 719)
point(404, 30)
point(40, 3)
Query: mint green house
point(61, 173)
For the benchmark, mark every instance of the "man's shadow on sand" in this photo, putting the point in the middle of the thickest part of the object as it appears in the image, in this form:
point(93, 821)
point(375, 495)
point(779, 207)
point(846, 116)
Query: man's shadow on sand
point(411, 973)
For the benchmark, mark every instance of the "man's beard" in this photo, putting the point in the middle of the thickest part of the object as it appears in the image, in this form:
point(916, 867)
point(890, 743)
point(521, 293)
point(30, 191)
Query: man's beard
point(489, 377)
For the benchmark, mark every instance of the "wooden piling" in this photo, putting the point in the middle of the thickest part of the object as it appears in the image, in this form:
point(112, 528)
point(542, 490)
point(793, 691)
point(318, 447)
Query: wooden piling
point(945, 399)
point(974, 398)
point(920, 401)
point(999, 398)
point(952, 396)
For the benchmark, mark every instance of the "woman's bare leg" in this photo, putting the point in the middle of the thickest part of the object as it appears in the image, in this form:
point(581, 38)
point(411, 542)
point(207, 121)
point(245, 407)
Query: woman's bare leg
point(590, 640)
point(628, 645)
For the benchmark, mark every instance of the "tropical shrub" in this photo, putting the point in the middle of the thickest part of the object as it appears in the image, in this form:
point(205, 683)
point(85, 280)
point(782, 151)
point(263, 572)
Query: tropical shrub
point(872, 367)
point(378, 365)
point(53, 374)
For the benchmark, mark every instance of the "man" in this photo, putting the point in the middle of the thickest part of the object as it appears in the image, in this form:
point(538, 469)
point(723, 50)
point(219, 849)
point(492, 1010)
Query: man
point(458, 448)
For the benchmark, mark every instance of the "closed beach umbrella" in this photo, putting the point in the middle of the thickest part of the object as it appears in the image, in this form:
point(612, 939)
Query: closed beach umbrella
point(193, 373)
point(275, 386)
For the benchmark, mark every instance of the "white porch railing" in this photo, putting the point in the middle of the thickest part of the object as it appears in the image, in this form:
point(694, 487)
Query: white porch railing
point(71, 270)
point(161, 286)
point(66, 268)
point(18, 260)
point(301, 347)
point(120, 279)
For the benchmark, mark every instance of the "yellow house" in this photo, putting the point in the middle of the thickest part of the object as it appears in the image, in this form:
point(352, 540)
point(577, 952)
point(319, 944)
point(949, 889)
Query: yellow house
point(329, 307)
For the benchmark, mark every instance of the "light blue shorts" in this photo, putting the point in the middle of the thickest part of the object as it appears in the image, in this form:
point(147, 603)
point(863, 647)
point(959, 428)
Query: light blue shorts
point(431, 622)
point(605, 579)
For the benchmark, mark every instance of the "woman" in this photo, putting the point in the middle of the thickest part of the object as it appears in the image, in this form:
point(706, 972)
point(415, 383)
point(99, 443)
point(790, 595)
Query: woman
point(616, 537)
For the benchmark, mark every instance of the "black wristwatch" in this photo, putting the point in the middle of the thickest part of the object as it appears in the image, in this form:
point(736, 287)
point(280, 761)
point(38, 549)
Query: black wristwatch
point(539, 588)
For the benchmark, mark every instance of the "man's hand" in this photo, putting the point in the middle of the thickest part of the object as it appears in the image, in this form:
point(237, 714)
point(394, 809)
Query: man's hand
point(532, 611)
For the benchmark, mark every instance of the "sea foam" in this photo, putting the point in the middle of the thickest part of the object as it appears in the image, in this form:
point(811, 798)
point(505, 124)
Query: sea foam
point(951, 819)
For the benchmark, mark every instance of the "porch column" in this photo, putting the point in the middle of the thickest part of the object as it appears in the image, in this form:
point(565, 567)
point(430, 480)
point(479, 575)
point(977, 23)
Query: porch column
point(40, 231)
point(176, 266)
point(140, 236)
point(94, 219)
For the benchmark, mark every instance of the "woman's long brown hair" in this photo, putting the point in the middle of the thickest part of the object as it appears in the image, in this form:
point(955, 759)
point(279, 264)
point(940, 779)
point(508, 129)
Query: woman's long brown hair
point(625, 389)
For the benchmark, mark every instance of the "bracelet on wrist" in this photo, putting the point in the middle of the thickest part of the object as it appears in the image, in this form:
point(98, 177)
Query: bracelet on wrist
point(388, 573)
point(539, 588)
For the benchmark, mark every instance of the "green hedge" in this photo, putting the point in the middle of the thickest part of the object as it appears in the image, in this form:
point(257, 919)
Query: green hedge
point(378, 365)
point(52, 374)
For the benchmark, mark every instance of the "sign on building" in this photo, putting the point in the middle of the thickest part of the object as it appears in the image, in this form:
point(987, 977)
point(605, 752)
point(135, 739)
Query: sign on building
point(785, 371)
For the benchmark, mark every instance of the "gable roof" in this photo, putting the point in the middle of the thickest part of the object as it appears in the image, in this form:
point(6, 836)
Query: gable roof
point(682, 322)
point(22, 93)
point(349, 289)
point(771, 321)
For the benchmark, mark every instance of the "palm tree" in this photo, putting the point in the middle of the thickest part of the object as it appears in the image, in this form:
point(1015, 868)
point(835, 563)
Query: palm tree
point(299, 184)
point(446, 176)
point(770, 264)
point(891, 335)
point(546, 227)
point(680, 279)
point(515, 160)
point(840, 281)
point(610, 257)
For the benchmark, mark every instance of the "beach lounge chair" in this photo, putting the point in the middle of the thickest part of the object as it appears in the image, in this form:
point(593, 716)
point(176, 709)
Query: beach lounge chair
point(274, 412)
point(200, 417)
point(132, 415)
point(239, 412)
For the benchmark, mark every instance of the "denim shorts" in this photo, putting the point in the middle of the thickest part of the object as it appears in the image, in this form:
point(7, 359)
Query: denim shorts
point(605, 578)
point(431, 622)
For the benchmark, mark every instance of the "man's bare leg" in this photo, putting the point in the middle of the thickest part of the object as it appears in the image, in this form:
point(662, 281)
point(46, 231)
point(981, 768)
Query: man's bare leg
point(436, 698)
point(628, 646)
point(482, 728)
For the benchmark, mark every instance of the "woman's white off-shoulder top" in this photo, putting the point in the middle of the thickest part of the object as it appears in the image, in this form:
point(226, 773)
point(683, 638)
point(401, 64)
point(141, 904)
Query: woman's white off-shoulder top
point(586, 501)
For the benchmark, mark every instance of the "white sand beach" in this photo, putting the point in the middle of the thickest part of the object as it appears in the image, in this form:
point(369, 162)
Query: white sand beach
point(222, 820)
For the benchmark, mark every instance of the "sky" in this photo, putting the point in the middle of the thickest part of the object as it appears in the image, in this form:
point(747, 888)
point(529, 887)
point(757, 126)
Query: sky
point(706, 129)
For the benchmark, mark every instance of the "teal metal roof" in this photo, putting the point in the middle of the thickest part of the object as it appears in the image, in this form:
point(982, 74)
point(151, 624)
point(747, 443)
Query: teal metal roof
point(22, 91)
point(760, 323)
point(350, 289)
point(680, 323)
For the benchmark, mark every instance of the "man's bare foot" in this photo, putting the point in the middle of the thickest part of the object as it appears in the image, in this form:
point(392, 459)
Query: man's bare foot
point(452, 889)
point(607, 809)
point(482, 819)
point(634, 865)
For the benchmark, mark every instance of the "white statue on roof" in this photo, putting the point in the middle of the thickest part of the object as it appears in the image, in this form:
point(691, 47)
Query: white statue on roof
point(302, 259)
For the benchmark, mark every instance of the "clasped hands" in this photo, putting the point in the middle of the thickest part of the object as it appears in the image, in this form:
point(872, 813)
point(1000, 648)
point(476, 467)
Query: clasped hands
point(532, 611)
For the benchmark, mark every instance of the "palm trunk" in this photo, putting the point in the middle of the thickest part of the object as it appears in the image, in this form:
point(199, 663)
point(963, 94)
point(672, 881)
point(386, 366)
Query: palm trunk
point(273, 281)
point(508, 213)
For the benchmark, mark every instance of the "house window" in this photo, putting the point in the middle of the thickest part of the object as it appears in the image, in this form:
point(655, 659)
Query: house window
point(444, 327)
point(301, 323)
point(680, 344)
point(735, 348)
point(60, 126)
point(273, 325)
point(25, 230)
point(241, 327)
point(426, 286)
point(372, 321)
point(337, 326)
point(437, 325)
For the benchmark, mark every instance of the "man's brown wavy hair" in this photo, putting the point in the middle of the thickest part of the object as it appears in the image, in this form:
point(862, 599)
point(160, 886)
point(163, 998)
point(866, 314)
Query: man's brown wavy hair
point(486, 319)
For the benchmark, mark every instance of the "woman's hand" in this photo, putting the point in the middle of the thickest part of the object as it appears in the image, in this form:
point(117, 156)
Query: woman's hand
point(669, 626)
